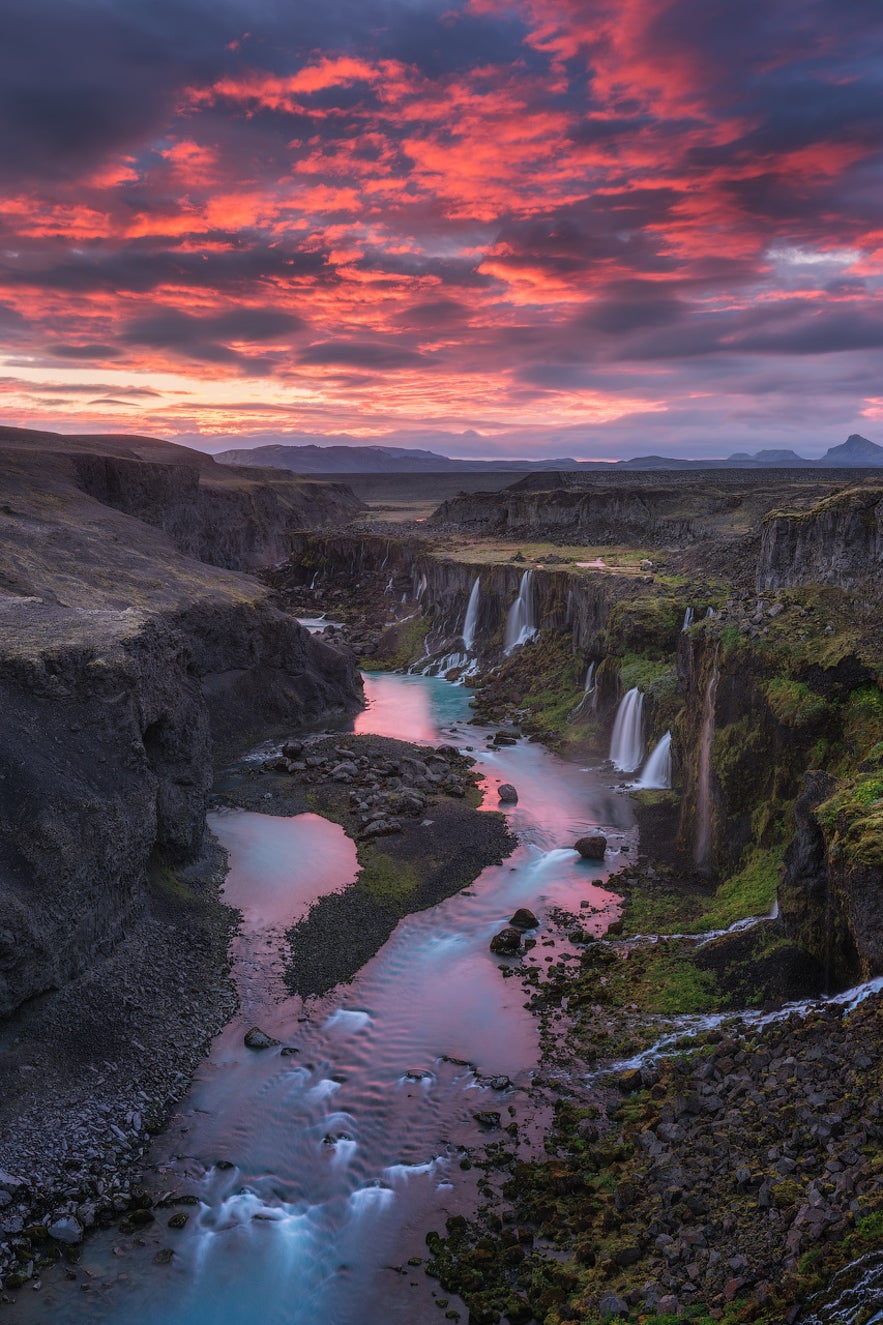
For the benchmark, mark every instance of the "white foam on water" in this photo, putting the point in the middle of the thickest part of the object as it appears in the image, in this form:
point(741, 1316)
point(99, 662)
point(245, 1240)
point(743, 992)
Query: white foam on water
point(404, 1172)
point(342, 1151)
point(323, 1090)
point(348, 1020)
point(370, 1200)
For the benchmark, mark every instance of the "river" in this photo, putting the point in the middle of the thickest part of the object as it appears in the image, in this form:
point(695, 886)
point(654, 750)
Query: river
point(318, 1171)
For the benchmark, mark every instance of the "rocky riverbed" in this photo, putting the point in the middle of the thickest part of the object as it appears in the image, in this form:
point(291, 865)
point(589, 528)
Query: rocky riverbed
point(724, 1177)
point(412, 811)
point(90, 1073)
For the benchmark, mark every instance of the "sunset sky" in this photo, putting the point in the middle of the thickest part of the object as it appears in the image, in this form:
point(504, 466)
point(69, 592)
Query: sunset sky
point(598, 229)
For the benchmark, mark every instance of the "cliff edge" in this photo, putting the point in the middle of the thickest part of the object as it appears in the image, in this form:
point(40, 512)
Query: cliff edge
point(126, 669)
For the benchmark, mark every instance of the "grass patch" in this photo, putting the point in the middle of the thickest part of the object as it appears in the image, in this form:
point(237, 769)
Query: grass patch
point(388, 882)
point(750, 892)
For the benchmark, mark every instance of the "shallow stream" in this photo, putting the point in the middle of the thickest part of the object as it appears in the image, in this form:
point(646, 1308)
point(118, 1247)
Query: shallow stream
point(319, 1164)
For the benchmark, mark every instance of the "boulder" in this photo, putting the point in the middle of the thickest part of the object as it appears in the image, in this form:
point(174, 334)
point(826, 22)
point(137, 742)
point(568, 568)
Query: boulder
point(524, 919)
point(507, 943)
point(258, 1039)
point(592, 846)
point(67, 1229)
point(507, 793)
point(611, 1306)
point(293, 749)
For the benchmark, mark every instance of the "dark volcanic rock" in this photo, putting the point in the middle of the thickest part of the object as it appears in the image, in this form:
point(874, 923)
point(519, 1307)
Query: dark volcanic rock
point(258, 1039)
point(839, 542)
point(507, 943)
point(524, 919)
point(592, 846)
point(507, 793)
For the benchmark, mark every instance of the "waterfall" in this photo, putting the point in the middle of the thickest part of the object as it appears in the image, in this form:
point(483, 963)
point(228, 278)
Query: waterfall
point(688, 618)
point(470, 624)
point(627, 741)
point(709, 612)
point(656, 773)
point(702, 846)
point(388, 588)
point(568, 618)
point(421, 588)
point(590, 679)
point(521, 621)
point(314, 579)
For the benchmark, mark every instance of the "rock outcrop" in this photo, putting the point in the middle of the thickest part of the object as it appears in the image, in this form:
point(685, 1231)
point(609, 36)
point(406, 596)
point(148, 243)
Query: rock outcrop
point(238, 518)
point(839, 541)
point(126, 670)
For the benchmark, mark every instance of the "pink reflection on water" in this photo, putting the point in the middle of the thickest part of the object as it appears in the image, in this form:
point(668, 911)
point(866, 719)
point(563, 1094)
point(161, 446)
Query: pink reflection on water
point(397, 709)
point(280, 866)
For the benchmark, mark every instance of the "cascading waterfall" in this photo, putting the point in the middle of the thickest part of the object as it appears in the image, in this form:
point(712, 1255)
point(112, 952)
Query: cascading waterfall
point(702, 845)
point(656, 773)
point(521, 621)
point(590, 679)
point(688, 618)
point(627, 741)
point(470, 624)
point(314, 579)
point(421, 588)
point(709, 612)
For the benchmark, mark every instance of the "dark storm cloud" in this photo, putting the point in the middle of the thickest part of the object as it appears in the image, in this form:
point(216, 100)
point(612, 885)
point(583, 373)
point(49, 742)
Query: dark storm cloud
point(205, 339)
point(90, 350)
point(141, 267)
point(361, 354)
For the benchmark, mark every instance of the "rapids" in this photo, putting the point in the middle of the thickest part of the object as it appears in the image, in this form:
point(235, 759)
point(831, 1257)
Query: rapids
point(317, 1172)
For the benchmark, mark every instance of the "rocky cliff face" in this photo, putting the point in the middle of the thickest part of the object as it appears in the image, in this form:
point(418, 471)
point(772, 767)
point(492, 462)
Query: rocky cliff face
point(237, 518)
point(664, 513)
point(126, 671)
point(441, 586)
point(839, 541)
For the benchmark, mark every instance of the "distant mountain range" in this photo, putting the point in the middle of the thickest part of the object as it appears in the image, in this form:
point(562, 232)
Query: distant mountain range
point(855, 453)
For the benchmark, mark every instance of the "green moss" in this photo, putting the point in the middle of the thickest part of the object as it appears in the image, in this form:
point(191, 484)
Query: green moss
point(167, 884)
point(793, 703)
point(400, 646)
point(853, 820)
point(658, 679)
point(648, 626)
point(750, 892)
point(389, 882)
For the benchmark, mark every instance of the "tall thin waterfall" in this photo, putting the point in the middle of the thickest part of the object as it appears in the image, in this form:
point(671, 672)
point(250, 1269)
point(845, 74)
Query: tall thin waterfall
point(590, 678)
point(656, 773)
point(688, 618)
point(627, 741)
point(470, 624)
point(521, 621)
point(702, 845)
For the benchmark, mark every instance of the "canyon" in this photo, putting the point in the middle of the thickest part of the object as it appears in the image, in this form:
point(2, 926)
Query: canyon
point(716, 637)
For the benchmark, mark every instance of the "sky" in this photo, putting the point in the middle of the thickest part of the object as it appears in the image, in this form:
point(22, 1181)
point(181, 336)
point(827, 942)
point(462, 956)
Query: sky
point(597, 228)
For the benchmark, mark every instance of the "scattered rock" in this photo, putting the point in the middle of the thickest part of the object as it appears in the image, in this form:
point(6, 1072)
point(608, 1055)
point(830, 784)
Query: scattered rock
point(258, 1039)
point(507, 943)
point(507, 793)
point(524, 919)
point(67, 1229)
point(592, 846)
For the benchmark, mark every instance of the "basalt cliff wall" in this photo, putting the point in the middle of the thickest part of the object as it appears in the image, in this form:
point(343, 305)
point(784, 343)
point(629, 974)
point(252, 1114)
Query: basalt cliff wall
point(838, 541)
point(127, 670)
